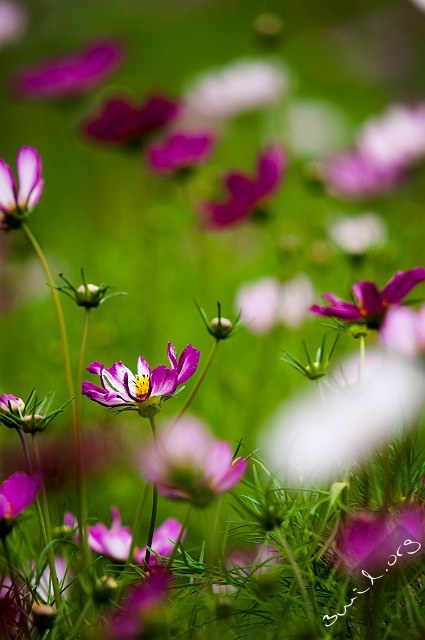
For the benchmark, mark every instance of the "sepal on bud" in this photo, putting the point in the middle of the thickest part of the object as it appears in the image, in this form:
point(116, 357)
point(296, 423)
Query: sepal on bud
point(316, 367)
point(221, 327)
point(87, 295)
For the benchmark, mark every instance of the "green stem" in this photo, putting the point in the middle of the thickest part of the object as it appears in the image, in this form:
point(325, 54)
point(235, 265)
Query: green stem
point(45, 519)
point(179, 539)
point(138, 522)
point(15, 588)
point(25, 450)
point(362, 343)
point(297, 575)
point(202, 375)
point(81, 489)
point(154, 504)
point(58, 307)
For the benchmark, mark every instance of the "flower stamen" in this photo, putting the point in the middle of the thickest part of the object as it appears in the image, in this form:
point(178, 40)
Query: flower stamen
point(142, 384)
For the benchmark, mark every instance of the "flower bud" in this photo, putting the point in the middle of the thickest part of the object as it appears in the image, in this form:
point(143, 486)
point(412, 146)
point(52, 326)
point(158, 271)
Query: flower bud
point(105, 589)
point(9, 402)
point(268, 27)
point(221, 326)
point(43, 616)
point(89, 295)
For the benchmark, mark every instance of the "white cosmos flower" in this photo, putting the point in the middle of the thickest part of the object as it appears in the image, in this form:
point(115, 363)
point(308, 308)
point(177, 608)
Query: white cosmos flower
point(317, 438)
point(240, 86)
point(358, 234)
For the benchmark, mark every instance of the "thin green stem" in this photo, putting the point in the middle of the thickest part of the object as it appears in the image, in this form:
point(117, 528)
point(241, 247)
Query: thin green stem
point(58, 307)
point(297, 575)
point(81, 489)
point(45, 518)
point(179, 539)
point(195, 389)
point(154, 504)
point(15, 588)
point(25, 450)
point(138, 521)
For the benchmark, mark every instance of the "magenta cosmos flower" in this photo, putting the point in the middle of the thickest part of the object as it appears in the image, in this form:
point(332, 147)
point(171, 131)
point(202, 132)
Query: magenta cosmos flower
point(17, 200)
point(371, 304)
point(121, 388)
point(186, 463)
point(16, 494)
point(375, 542)
point(120, 121)
point(247, 195)
point(70, 75)
point(179, 152)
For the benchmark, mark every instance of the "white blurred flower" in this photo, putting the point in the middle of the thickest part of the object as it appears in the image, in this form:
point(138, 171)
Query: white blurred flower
point(420, 4)
point(395, 138)
point(259, 302)
point(238, 87)
point(358, 234)
point(268, 302)
point(295, 299)
point(13, 22)
point(315, 127)
point(314, 439)
point(403, 331)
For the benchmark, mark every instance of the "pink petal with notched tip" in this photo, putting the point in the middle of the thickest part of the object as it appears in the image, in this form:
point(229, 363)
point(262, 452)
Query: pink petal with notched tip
point(401, 284)
point(29, 173)
point(7, 188)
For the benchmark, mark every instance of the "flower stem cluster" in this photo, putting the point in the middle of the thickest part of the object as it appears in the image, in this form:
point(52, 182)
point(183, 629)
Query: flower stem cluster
point(316, 367)
point(87, 295)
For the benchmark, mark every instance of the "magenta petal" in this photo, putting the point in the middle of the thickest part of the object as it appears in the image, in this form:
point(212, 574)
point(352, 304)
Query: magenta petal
point(219, 216)
point(29, 173)
point(163, 381)
point(5, 507)
point(35, 195)
point(234, 475)
point(242, 188)
point(100, 395)
point(401, 284)
point(95, 367)
point(271, 168)
point(338, 308)
point(188, 363)
point(172, 355)
point(20, 490)
point(368, 296)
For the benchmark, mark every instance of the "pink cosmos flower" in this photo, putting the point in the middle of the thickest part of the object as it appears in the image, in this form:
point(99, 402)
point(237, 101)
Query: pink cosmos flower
point(163, 542)
point(121, 122)
point(375, 542)
point(255, 562)
point(71, 75)
point(186, 463)
point(371, 304)
point(9, 402)
point(13, 22)
point(114, 542)
point(179, 152)
point(120, 387)
point(403, 331)
point(139, 604)
point(17, 200)
point(245, 194)
point(16, 494)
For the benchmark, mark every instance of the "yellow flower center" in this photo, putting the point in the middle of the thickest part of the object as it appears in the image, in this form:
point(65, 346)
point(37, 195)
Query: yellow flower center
point(142, 384)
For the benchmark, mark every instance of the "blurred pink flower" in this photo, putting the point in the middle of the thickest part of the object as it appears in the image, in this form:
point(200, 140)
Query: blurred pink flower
point(13, 22)
point(115, 542)
point(163, 542)
point(186, 463)
point(71, 75)
point(255, 562)
point(403, 331)
point(121, 122)
point(375, 542)
point(180, 152)
point(245, 195)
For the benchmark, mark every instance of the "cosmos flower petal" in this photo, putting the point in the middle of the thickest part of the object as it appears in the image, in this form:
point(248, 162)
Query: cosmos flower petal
point(143, 369)
point(35, 195)
point(163, 541)
point(188, 363)
point(172, 355)
point(368, 296)
point(5, 507)
point(100, 395)
point(29, 173)
point(401, 284)
point(163, 381)
point(7, 187)
point(338, 308)
point(271, 168)
point(20, 490)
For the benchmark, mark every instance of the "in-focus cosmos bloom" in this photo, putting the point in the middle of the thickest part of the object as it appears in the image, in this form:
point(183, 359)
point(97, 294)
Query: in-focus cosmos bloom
point(243, 85)
point(121, 122)
point(403, 331)
point(122, 388)
point(186, 463)
point(386, 148)
point(17, 200)
point(370, 541)
point(247, 195)
point(314, 438)
point(71, 75)
point(179, 152)
point(16, 494)
point(371, 304)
